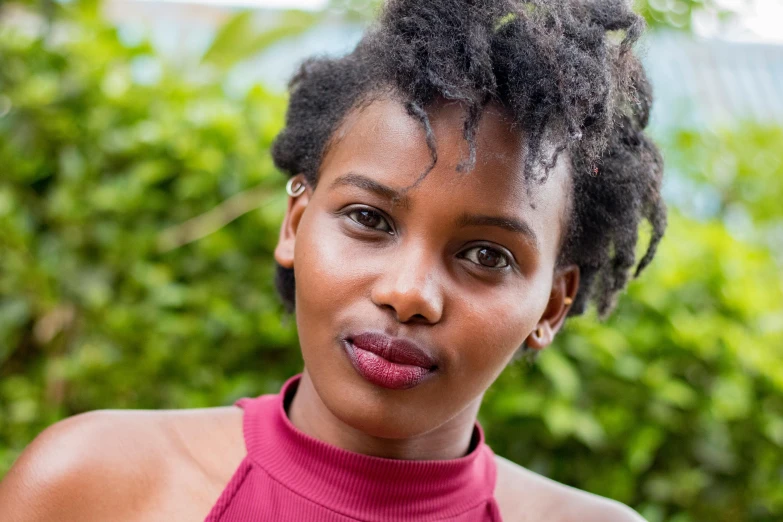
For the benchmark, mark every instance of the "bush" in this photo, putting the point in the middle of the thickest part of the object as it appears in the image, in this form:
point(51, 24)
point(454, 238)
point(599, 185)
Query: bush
point(108, 300)
point(674, 405)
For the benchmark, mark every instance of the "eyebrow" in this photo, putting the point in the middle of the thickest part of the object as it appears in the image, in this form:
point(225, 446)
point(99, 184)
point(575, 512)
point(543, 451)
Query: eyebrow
point(369, 184)
point(508, 223)
point(505, 222)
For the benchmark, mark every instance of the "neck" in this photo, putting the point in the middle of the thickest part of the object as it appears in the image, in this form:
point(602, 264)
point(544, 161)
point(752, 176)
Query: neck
point(449, 441)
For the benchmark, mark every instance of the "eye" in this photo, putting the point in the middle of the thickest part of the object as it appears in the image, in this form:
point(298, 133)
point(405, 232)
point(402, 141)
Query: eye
point(370, 219)
point(487, 257)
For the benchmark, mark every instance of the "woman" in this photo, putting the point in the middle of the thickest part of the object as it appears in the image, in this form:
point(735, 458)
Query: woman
point(472, 174)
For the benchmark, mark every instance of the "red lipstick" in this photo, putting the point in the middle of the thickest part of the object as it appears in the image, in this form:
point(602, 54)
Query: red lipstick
point(389, 362)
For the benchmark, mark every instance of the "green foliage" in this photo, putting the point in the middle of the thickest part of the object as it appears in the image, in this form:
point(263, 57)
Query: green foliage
point(741, 172)
point(674, 405)
point(138, 212)
point(107, 155)
point(659, 14)
point(678, 14)
point(239, 38)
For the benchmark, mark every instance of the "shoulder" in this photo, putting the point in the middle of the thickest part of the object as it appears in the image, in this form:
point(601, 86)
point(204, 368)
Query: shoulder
point(525, 496)
point(70, 468)
point(121, 465)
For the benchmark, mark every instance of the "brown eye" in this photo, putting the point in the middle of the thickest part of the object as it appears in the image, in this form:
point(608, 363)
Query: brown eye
point(487, 257)
point(370, 219)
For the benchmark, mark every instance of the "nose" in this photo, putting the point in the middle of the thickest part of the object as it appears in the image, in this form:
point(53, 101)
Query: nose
point(409, 287)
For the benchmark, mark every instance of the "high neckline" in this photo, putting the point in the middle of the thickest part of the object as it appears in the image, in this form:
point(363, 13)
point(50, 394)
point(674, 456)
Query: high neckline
point(358, 485)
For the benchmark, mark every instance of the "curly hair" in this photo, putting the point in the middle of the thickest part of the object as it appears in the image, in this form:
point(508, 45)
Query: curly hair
point(566, 72)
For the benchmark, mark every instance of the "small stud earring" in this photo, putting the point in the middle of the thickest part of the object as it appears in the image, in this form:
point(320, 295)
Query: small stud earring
point(568, 301)
point(539, 332)
point(295, 187)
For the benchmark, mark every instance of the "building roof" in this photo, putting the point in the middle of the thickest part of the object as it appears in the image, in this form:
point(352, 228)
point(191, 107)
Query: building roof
point(701, 82)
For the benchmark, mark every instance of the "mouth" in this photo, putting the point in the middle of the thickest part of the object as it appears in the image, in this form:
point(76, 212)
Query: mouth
point(392, 363)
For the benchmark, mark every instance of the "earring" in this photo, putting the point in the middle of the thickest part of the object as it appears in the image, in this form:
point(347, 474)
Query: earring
point(568, 301)
point(295, 187)
point(539, 332)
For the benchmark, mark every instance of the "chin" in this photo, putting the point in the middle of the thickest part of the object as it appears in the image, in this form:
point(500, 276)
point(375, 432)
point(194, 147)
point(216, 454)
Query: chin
point(380, 425)
point(375, 411)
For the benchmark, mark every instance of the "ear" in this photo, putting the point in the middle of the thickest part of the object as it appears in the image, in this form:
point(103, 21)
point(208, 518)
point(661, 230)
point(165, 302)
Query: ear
point(564, 287)
point(284, 251)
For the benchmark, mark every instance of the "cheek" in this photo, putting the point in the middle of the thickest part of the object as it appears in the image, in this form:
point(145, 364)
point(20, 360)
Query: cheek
point(328, 274)
point(493, 328)
point(491, 325)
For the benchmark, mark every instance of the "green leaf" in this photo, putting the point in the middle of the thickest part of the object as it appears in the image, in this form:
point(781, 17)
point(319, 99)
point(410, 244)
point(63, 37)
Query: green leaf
point(240, 39)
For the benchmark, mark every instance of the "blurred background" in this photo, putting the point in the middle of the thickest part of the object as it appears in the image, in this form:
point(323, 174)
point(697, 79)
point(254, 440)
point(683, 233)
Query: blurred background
point(139, 208)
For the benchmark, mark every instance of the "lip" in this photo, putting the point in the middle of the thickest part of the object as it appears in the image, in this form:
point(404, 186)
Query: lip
point(394, 349)
point(389, 362)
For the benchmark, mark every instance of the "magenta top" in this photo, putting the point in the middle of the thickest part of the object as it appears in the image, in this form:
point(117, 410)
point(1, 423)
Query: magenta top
point(289, 476)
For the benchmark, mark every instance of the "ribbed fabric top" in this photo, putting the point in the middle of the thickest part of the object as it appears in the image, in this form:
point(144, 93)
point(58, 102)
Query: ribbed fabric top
point(288, 475)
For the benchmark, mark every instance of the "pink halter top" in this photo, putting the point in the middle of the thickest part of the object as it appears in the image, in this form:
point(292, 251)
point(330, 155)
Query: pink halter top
point(288, 476)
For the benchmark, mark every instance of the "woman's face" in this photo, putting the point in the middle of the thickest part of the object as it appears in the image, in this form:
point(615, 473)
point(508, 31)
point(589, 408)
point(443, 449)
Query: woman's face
point(463, 266)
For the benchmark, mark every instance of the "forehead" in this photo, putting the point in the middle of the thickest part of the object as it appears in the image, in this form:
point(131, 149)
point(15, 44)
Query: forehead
point(381, 140)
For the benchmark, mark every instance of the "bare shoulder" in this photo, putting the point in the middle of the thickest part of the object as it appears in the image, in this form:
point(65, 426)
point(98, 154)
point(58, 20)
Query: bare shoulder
point(525, 496)
point(124, 465)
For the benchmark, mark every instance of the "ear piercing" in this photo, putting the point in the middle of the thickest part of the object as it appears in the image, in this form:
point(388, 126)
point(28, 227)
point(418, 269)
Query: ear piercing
point(540, 331)
point(295, 187)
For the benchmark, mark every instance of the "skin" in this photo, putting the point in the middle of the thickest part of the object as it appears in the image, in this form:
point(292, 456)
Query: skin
point(423, 282)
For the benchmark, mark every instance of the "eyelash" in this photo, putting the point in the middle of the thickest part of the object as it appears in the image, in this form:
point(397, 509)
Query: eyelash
point(371, 211)
point(503, 255)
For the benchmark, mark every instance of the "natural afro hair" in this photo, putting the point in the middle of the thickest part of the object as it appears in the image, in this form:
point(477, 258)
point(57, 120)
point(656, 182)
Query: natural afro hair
point(564, 69)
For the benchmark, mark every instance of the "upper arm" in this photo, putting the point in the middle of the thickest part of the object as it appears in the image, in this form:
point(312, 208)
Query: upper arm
point(69, 471)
